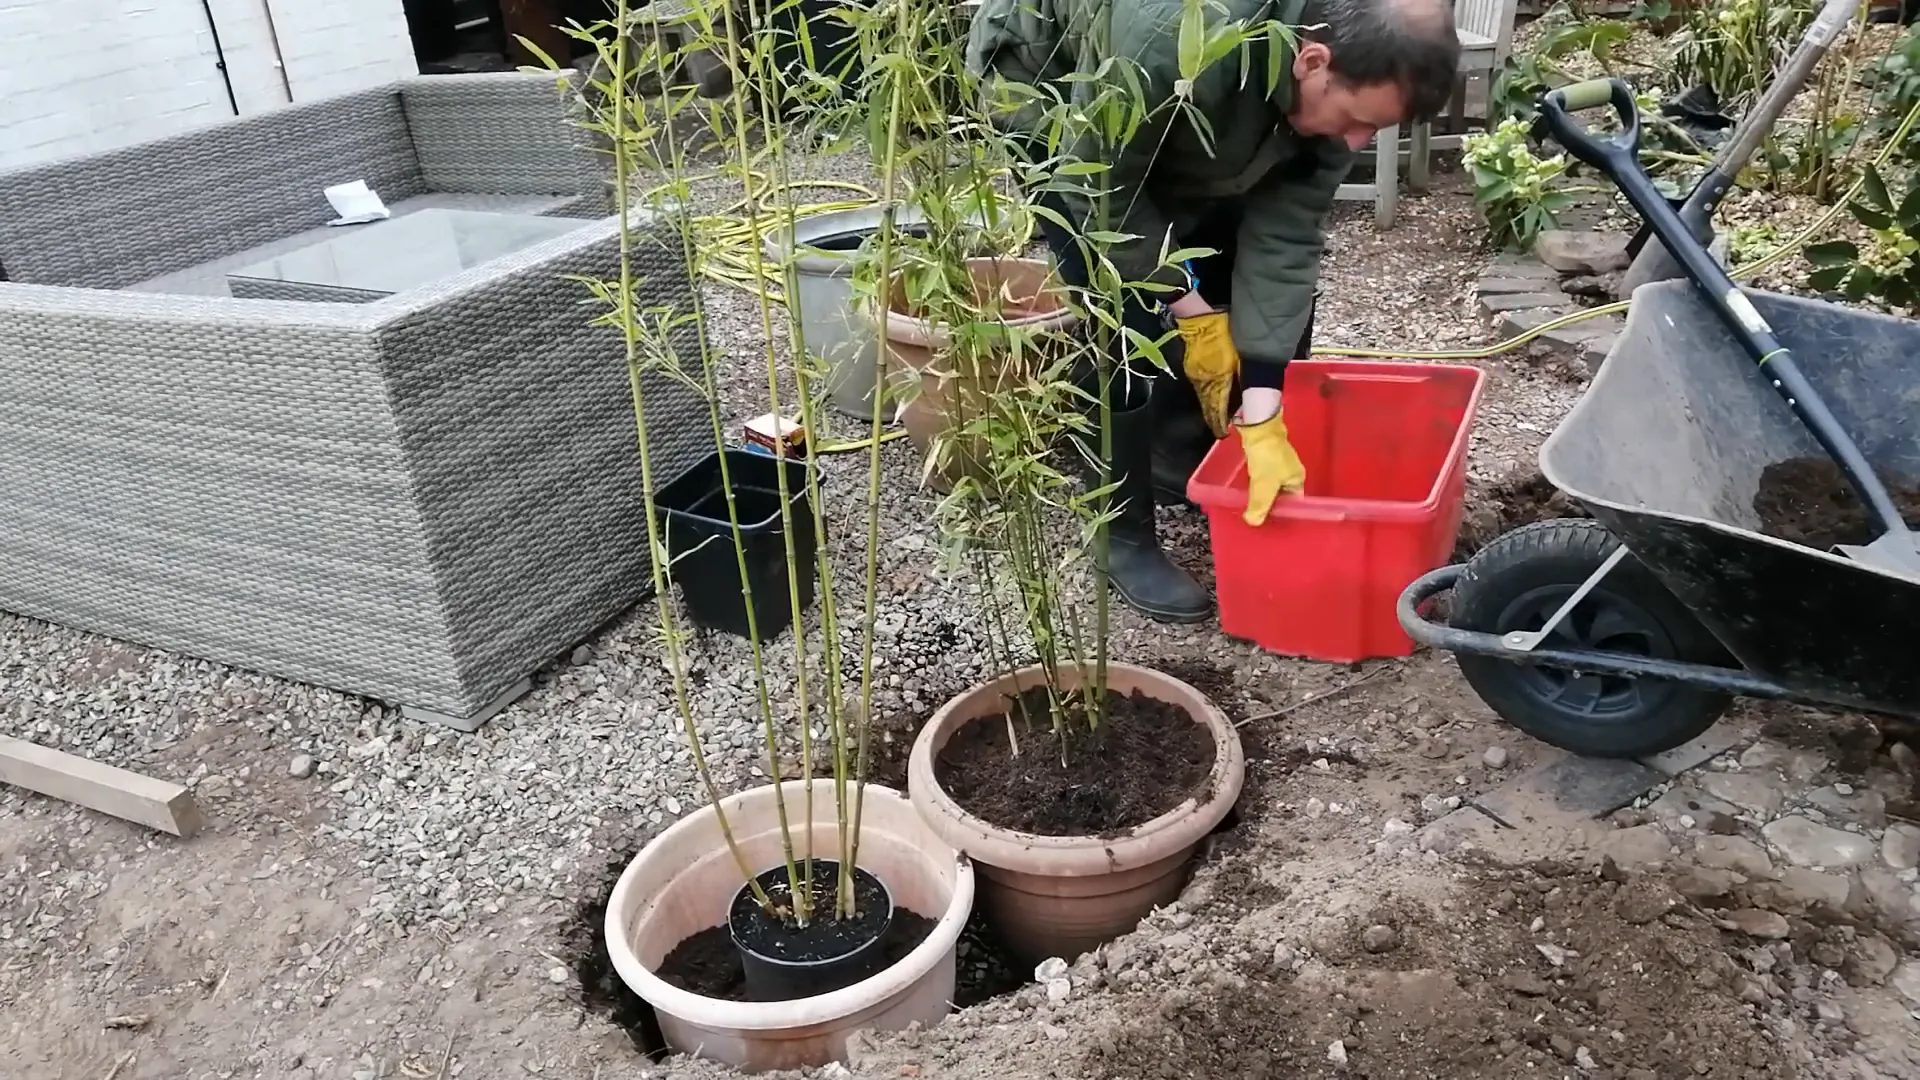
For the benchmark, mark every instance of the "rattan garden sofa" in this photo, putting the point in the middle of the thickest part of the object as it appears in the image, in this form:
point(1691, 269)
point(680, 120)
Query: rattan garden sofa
point(421, 499)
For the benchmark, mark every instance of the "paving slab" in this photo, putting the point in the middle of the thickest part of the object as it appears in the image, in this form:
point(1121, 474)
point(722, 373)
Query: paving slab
point(1694, 753)
point(1494, 303)
point(1568, 790)
point(1446, 834)
point(1519, 283)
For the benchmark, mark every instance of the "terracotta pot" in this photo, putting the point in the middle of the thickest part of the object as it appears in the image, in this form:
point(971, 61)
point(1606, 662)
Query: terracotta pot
point(683, 880)
point(1033, 301)
point(1065, 895)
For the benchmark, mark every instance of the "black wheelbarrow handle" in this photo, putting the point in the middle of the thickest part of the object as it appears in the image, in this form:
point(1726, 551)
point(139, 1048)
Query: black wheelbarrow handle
point(1452, 639)
point(1619, 159)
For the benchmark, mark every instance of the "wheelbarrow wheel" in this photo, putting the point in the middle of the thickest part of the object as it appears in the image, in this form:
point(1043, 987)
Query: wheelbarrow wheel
point(1520, 579)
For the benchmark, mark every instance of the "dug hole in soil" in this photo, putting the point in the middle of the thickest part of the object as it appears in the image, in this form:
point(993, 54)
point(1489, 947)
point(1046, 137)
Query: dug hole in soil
point(1146, 758)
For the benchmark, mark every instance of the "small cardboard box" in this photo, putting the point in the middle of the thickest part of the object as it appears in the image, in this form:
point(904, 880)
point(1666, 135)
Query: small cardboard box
point(776, 435)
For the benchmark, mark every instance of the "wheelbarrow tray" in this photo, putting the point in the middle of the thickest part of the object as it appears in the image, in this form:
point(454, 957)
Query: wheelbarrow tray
point(1666, 449)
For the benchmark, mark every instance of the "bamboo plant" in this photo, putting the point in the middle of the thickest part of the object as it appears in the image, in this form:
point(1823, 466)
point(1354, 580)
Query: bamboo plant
point(1034, 499)
point(635, 107)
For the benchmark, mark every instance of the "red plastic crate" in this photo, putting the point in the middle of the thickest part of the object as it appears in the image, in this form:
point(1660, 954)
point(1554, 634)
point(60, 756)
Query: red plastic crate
point(1385, 448)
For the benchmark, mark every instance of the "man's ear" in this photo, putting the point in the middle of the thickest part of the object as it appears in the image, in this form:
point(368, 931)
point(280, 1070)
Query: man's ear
point(1312, 59)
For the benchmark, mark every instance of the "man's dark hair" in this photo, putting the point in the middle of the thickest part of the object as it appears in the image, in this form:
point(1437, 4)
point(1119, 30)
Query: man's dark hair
point(1408, 42)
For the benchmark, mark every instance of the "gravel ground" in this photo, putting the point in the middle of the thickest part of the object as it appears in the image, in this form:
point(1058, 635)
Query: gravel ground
point(374, 898)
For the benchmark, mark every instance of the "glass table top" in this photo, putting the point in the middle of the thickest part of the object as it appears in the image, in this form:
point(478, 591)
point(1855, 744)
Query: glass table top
point(399, 253)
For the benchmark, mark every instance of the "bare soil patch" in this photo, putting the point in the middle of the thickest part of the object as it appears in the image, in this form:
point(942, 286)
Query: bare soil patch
point(1622, 977)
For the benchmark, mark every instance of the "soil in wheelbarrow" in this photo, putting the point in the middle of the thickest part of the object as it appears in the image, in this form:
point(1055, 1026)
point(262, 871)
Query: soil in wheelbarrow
point(1808, 501)
point(1143, 759)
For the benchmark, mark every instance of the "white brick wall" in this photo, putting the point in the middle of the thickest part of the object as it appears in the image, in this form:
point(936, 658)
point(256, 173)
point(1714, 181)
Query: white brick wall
point(84, 75)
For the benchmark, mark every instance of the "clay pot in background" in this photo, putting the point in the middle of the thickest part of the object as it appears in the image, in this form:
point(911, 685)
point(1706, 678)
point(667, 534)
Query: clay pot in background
point(1037, 304)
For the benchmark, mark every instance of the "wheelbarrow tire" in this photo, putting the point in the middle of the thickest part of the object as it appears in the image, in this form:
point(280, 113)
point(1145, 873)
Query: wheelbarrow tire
point(1520, 578)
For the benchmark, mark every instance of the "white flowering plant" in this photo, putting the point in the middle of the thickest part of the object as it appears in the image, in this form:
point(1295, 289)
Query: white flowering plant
point(1519, 193)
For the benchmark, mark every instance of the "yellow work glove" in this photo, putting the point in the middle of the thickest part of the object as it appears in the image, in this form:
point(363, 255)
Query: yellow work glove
point(1272, 466)
point(1212, 364)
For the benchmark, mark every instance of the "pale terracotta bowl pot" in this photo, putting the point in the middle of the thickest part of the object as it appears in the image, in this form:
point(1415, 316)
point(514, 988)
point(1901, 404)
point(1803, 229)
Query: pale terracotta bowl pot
point(1035, 301)
point(683, 880)
point(1066, 895)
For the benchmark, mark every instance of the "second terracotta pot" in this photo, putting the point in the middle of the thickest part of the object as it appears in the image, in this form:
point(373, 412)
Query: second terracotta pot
point(1027, 297)
point(1065, 895)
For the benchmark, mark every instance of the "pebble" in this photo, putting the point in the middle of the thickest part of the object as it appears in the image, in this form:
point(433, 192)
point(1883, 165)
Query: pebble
point(301, 766)
point(1754, 922)
point(1284, 956)
point(1434, 748)
point(1059, 990)
point(1903, 757)
point(1337, 1052)
point(1495, 757)
point(557, 975)
point(1379, 938)
point(1900, 847)
point(1053, 967)
point(1314, 808)
point(1396, 827)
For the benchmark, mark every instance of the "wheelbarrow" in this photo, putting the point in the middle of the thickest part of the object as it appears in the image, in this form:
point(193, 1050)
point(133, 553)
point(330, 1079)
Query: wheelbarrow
point(1630, 633)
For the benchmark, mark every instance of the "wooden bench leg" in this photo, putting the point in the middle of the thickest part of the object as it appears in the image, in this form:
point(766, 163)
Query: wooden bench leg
point(1386, 176)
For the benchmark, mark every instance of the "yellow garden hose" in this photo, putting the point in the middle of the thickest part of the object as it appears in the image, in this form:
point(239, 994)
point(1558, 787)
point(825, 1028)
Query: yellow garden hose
point(729, 240)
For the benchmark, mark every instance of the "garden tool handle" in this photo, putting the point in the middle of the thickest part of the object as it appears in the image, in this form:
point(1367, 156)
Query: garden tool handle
point(1619, 158)
point(1613, 156)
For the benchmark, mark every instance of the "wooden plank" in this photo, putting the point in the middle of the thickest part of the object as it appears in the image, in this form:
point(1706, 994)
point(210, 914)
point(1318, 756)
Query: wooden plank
point(143, 800)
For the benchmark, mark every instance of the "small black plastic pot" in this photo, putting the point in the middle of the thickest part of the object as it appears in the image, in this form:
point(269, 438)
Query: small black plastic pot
point(699, 541)
point(783, 962)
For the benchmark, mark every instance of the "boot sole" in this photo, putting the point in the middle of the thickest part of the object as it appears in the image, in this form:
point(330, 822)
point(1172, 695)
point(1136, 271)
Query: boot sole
point(1162, 615)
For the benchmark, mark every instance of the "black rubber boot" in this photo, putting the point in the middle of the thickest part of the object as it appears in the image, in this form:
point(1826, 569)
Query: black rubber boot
point(1180, 442)
point(1142, 575)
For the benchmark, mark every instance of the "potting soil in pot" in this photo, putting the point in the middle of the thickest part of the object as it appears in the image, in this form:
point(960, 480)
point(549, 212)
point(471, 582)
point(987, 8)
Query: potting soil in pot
point(789, 957)
point(708, 963)
point(1809, 501)
point(1145, 758)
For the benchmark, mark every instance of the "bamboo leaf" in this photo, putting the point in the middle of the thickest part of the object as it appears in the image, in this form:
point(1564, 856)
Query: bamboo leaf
point(1833, 253)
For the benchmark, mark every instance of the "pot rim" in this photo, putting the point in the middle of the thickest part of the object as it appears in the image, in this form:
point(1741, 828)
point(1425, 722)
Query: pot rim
point(793, 238)
point(761, 1016)
point(913, 330)
point(1076, 856)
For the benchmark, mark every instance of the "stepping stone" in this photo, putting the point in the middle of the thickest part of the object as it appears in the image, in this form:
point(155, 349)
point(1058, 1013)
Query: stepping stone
point(1572, 789)
point(1489, 286)
point(1516, 264)
point(1582, 252)
point(1718, 739)
point(1448, 833)
point(1805, 843)
point(1494, 303)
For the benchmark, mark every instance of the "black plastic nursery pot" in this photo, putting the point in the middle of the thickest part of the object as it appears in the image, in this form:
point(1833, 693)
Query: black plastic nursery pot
point(700, 547)
point(783, 961)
